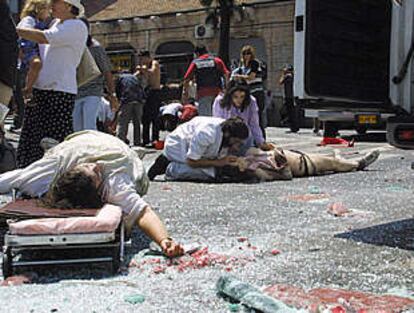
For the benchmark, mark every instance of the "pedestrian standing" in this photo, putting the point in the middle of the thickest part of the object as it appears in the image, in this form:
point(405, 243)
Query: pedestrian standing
point(149, 69)
point(130, 91)
point(61, 48)
point(251, 71)
point(210, 74)
point(286, 79)
point(88, 100)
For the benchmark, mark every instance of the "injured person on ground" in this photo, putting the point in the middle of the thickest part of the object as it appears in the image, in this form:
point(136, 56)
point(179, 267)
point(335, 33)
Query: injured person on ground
point(205, 149)
point(278, 164)
point(87, 170)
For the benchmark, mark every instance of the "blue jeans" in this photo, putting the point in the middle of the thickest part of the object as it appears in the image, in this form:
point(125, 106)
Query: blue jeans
point(85, 113)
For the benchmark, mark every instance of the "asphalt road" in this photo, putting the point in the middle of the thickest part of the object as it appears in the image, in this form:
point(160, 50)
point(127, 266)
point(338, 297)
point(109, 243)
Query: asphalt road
point(371, 249)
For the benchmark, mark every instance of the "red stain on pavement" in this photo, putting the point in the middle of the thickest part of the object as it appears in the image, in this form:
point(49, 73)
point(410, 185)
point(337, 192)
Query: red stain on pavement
point(275, 252)
point(308, 197)
point(335, 299)
point(338, 209)
point(197, 260)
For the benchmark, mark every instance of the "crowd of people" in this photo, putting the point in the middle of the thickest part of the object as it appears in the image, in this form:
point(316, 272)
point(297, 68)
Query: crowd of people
point(216, 134)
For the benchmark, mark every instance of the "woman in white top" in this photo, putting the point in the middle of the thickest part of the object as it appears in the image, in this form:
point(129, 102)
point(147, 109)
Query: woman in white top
point(61, 48)
point(86, 170)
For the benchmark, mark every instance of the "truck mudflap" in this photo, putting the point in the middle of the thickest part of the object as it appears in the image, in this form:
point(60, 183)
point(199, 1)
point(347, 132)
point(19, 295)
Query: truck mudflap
point(400, 132)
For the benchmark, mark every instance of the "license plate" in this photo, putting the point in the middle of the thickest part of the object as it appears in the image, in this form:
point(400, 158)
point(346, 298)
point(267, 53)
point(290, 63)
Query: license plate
point(367, 119)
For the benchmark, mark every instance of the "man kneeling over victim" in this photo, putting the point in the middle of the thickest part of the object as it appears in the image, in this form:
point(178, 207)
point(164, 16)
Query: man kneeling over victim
point(206, 149)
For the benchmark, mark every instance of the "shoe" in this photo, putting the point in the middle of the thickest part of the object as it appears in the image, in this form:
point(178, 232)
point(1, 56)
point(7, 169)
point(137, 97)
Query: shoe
point(368, 159)
point(159, 167)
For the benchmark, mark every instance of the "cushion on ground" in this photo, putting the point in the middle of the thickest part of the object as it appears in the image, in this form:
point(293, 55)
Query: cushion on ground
point(32, 208)
point(106, 220)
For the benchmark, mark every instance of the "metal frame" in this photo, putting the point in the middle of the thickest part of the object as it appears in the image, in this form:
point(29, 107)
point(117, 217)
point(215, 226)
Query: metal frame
point(14, 244)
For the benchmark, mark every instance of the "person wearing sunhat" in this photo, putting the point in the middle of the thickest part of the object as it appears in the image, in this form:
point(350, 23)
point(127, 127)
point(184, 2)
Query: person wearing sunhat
point(61, 47)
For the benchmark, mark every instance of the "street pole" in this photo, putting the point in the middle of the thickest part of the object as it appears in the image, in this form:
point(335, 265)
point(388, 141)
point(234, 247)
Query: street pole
point(226, 7)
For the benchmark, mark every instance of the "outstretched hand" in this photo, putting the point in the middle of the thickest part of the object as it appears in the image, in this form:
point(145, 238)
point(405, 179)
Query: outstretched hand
point(228, 160)
point(170, 248)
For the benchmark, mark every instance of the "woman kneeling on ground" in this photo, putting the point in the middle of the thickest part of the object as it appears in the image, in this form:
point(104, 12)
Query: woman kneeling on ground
point(237, 101)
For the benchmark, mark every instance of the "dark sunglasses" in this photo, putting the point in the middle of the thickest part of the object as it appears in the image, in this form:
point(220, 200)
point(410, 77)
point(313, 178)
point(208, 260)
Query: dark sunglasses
point(247, 53)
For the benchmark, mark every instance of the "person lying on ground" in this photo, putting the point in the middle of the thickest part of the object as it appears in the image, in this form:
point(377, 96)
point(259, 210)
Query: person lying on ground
point(89, 169)
point(196, 148)
point(278, 164)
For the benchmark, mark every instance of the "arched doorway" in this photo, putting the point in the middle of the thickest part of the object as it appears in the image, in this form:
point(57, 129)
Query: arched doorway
point(174, 58)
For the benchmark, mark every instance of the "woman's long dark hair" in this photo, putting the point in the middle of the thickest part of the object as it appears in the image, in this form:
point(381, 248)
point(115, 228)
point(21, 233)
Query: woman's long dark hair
point(227, 100)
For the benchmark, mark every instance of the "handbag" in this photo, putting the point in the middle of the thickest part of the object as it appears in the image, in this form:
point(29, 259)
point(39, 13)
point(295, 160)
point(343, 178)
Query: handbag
point(87, 69)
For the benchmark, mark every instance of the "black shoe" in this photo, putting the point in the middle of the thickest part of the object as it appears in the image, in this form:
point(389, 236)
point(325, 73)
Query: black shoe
point(159, 167)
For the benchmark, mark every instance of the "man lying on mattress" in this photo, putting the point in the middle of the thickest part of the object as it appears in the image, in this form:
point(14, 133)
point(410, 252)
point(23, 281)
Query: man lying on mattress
point(86, 170)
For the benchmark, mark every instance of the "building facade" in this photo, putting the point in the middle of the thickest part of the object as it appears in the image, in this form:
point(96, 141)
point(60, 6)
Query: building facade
point(171, 29)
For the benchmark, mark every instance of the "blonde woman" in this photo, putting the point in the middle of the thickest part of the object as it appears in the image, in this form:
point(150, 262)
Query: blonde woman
point(251, 72)
point(35, 15)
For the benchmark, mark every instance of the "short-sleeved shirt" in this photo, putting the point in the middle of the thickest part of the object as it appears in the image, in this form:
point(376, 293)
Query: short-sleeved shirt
point(207, 91)
point(61, 56)
point(254, 67)
point(96, 86)
point(29, 48)
point(199, 138)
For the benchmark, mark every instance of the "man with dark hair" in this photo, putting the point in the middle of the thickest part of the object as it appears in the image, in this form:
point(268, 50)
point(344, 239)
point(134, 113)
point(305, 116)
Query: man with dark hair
point(195, 149)
point(90, 168)
point(149, 69)
point(286, 79)
point(209, 72)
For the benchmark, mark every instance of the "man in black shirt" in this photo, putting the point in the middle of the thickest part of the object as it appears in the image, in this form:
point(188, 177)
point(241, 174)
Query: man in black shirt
point(286, 79)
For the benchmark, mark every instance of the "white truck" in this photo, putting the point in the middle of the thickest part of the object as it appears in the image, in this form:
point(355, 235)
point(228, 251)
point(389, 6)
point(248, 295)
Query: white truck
point(353, 63)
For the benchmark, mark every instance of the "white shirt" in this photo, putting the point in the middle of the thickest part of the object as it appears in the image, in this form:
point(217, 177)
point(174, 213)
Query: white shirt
point(27, 22)
point(61, 56)
point(122, 170)
point(199, 138)
point(105, 112)
point(172, 109)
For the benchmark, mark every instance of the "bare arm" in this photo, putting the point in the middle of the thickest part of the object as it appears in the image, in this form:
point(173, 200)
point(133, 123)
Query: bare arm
point(32, 35)
point(228, 160)
point(249, 77)
point(282, 79)
point(186, 86)
point(152, 226)
point(109, 79)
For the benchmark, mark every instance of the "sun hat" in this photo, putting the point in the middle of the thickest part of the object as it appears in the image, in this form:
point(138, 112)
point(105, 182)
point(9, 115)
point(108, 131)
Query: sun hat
point(77, 4)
